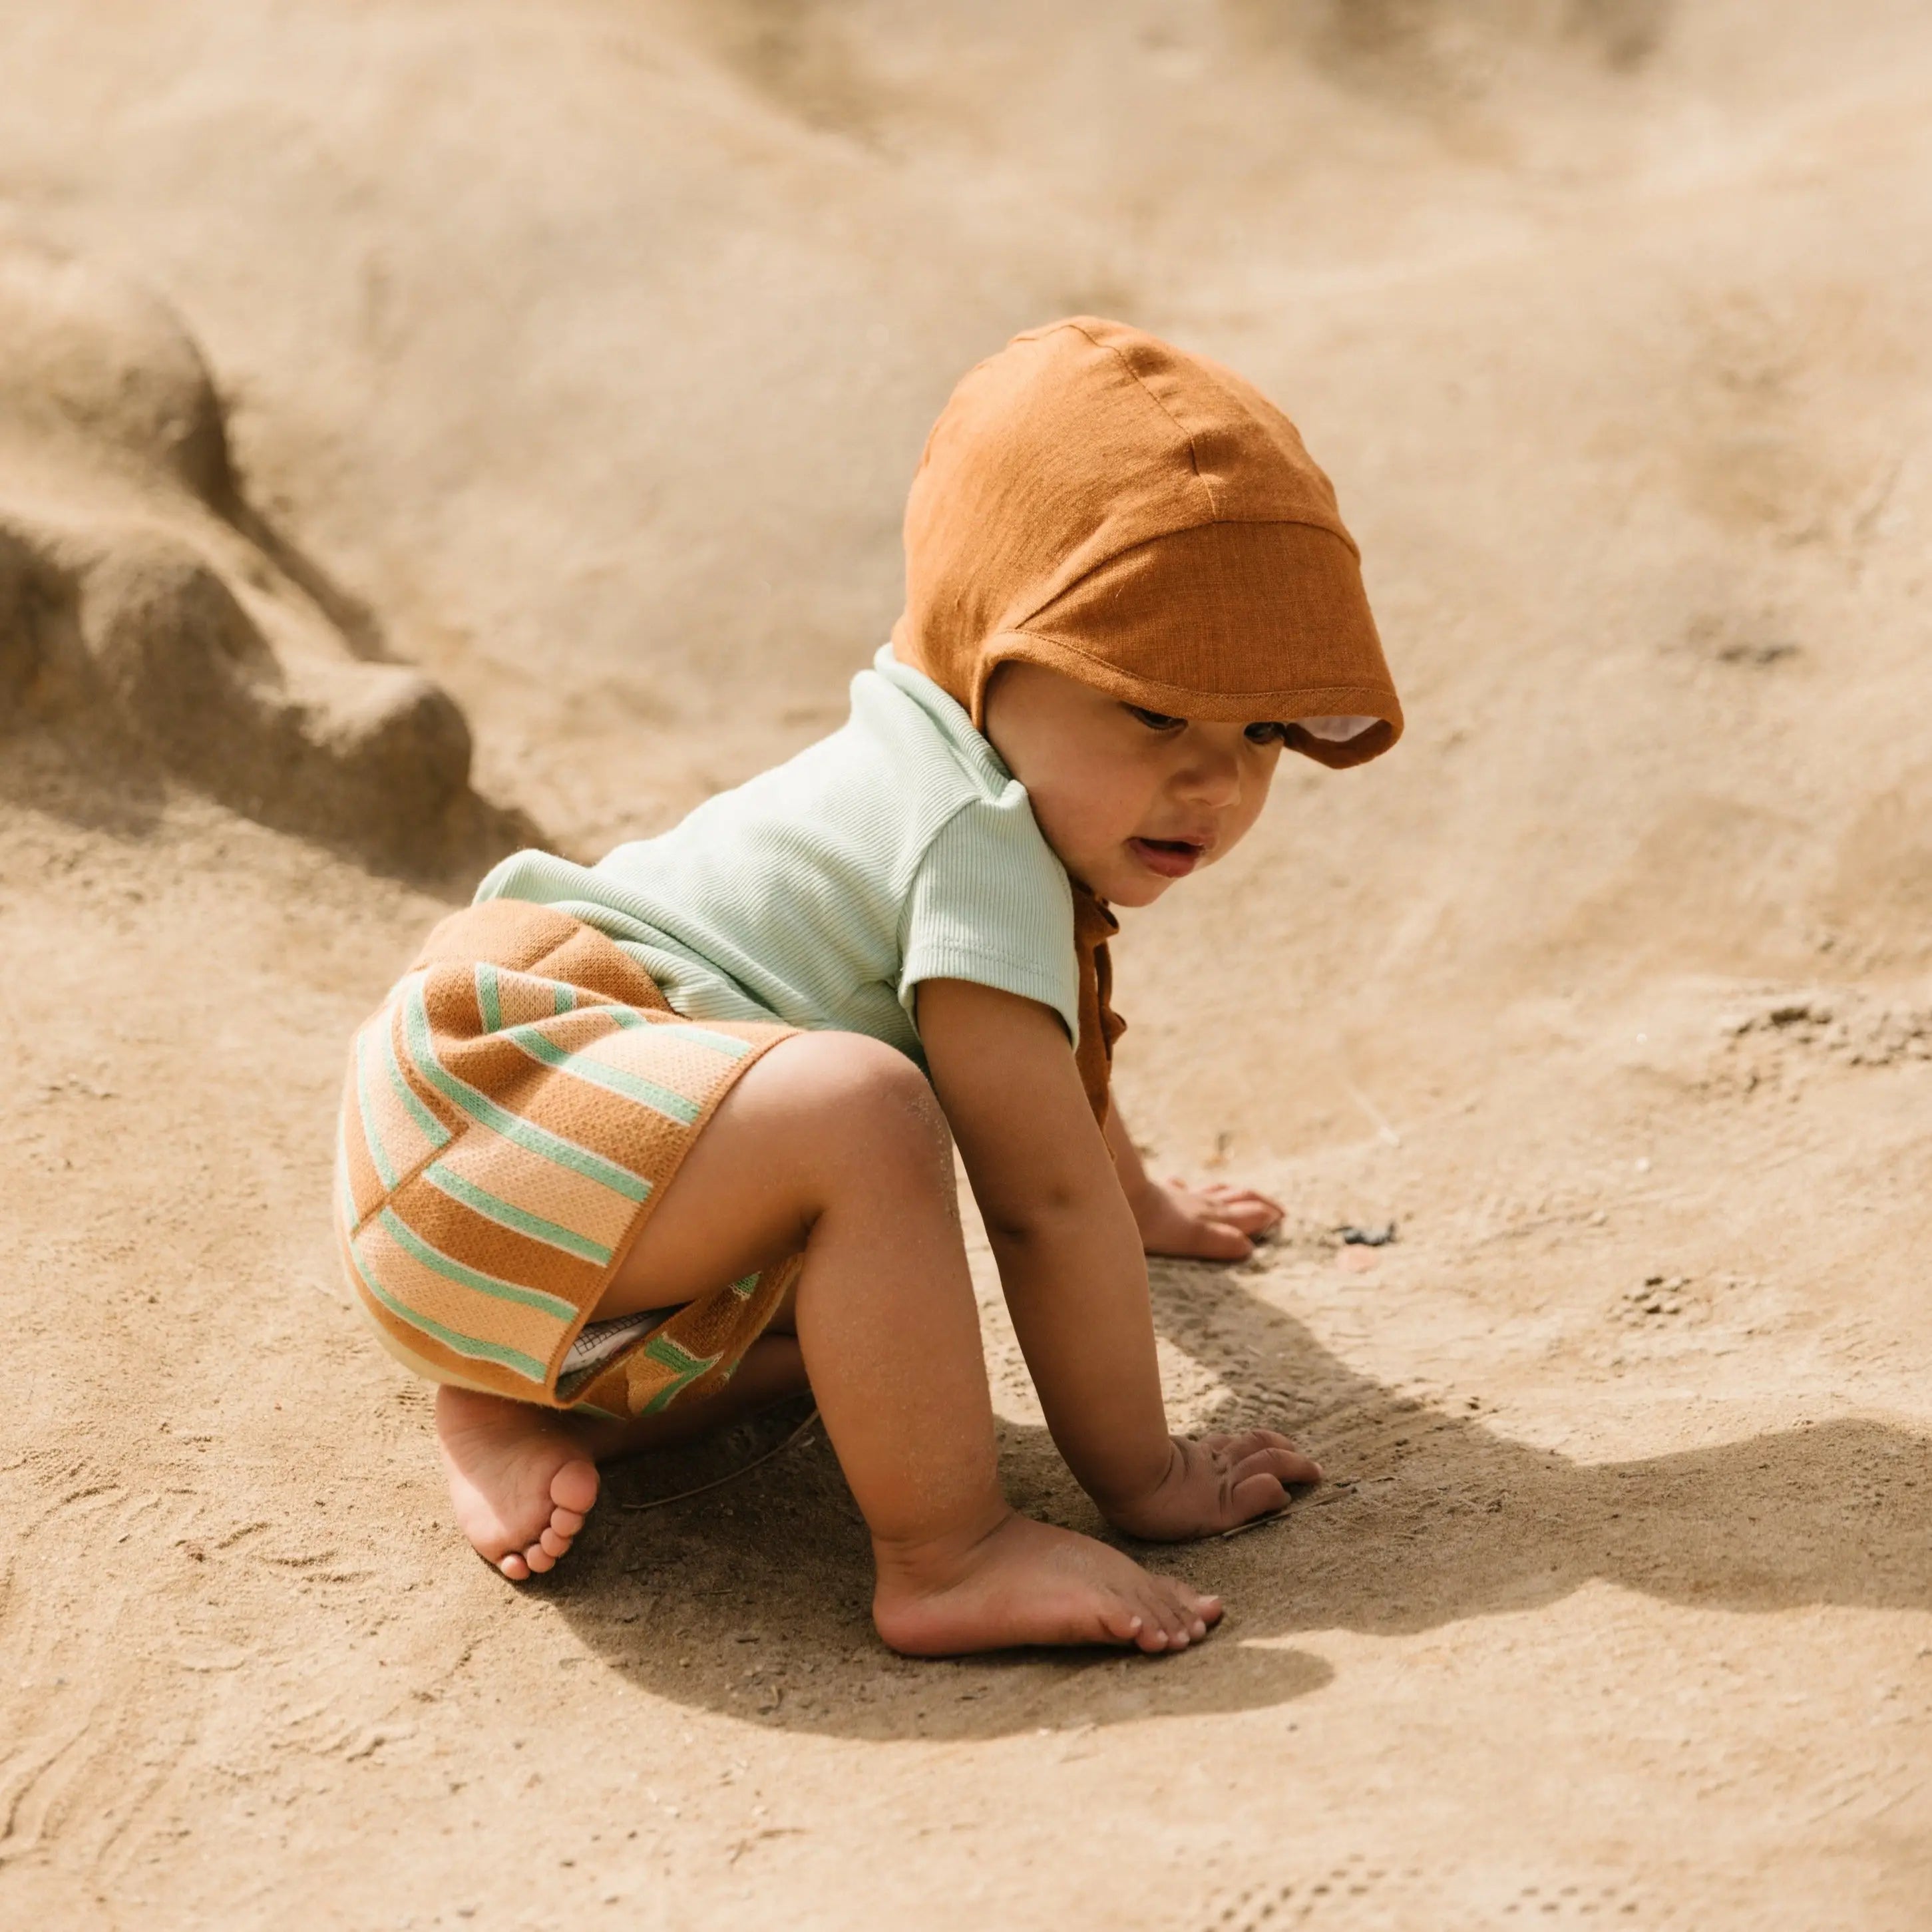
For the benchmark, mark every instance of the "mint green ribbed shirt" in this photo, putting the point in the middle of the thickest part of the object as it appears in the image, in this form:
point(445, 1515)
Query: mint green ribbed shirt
point(823, 891)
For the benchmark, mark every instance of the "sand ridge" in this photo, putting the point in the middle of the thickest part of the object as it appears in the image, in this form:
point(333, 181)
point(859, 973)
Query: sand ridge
point(387, 390)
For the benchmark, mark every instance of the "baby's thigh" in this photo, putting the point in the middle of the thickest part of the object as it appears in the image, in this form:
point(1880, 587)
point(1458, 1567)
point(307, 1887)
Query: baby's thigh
point(818, 1115)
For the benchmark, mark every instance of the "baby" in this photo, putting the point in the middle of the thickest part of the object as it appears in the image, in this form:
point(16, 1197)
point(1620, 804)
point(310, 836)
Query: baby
point(635, 1148)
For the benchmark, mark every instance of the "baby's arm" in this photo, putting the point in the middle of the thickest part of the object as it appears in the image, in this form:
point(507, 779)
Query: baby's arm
point(1071, 1261)
point(1214, 1223)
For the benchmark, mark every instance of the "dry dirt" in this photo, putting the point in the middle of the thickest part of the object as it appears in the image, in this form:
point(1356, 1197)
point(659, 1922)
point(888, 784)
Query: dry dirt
point(567, 362)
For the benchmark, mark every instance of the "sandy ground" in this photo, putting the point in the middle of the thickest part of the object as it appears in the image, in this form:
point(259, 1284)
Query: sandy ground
point(571, 360)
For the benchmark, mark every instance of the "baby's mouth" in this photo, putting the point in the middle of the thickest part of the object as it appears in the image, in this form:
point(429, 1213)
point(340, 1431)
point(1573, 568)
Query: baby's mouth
point(1172, 858)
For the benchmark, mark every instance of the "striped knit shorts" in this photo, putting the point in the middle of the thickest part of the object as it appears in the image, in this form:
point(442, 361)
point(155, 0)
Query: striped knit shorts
point(513, 1114)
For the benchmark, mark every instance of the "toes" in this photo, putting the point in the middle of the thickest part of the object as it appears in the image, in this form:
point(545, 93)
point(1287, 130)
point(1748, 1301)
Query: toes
point(573, 1487)
point(521, 1564)
point(1202, 1614)
point(1152, 1619)
point(1152, 1627)
point(1177, 1619)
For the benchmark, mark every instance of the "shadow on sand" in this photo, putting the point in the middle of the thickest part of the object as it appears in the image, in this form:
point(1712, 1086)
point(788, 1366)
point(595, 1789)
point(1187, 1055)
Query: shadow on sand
point(753, 1601)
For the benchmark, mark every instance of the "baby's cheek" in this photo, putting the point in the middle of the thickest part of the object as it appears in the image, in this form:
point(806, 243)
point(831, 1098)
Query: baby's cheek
point(1082, 823)
point(1253, 801)
point(1064, 825)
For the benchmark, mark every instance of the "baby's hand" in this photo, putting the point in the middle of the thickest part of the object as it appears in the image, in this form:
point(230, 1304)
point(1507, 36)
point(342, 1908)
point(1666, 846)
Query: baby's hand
point(1215, 1482)
point(1212, 1223)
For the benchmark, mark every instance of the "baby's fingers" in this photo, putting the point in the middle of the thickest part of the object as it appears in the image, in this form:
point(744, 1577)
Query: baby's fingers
point(1257, 1485)
point(1252, 1212)
point(1229, 1450)
point(1219, 1240)
point(1279, 1458)
point(1252, 1496)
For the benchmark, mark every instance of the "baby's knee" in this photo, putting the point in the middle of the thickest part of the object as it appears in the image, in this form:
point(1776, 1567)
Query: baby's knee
point(869, 1103)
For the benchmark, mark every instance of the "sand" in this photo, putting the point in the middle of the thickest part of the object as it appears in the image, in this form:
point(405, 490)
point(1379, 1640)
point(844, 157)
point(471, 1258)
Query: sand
point(420, 424)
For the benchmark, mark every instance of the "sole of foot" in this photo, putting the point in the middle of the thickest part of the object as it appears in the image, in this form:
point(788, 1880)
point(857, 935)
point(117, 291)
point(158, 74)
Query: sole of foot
point(1026, 1582)
point(520, 1482)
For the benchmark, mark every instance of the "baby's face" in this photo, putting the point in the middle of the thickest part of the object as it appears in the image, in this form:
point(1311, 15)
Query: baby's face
point(1129, 800)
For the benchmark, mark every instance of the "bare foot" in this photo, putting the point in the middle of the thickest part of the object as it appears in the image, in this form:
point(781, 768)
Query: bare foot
point(1026, 1582)
point(520, 1479)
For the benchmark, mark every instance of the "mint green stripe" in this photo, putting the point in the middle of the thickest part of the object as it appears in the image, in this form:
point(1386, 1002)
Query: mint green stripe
point(629, 1019)
point(407, 1238)
point(647, 1092)
point(506, 1214)
point(686, 1366)
point(365, 1108)
point(563, 999)
point(675, 1355)
point(437, 1134)
point(717, 1042)
point(525, 1134)
point(487, 1002)
point(472, 1346)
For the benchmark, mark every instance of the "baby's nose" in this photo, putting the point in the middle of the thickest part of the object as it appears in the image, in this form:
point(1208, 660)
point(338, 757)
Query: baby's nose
point(1213, 778)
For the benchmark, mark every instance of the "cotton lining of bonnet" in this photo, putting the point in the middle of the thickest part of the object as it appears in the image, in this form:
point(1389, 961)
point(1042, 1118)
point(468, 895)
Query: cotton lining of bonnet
point(1335, 731)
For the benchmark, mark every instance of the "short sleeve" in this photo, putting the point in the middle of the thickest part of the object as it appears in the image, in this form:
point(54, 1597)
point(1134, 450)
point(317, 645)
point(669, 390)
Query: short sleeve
point(991, 904)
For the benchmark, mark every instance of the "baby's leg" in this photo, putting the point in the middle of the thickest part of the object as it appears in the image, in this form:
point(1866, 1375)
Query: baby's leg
point(522, 1478)
point(834, 1143)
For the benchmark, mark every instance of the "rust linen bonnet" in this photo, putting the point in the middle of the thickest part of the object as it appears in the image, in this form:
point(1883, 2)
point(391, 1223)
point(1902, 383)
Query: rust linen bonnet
point(1097, 501)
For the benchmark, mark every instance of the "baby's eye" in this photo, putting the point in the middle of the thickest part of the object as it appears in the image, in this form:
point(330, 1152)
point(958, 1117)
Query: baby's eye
point(1156, 721)
point(1266, 734)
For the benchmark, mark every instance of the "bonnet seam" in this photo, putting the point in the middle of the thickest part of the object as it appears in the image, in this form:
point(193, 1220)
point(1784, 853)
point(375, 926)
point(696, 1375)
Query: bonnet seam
point(1180, 429)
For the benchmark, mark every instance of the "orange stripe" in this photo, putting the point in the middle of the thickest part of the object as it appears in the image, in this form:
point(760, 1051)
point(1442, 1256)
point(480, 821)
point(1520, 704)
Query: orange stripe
point(365, 1184)
point(622, 1131)
point(469, 1239)
point(404, 1140)
point(421, 1291)
point(539, 1187)
point(439, 1108)
point(523, 997)
point(661, 1055)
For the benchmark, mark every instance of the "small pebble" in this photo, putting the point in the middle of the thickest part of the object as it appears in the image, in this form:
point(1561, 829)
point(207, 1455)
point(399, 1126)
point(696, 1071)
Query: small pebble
point(1379, 1237)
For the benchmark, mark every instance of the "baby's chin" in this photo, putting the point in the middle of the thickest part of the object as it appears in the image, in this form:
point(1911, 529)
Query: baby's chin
point(1134, 897)
point(1120, 880)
